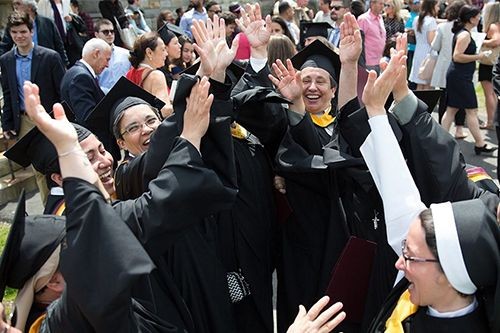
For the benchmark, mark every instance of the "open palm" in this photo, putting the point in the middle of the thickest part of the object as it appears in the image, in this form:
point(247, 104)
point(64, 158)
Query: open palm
point(254, 27)
point(287, 80)
point(350, 40)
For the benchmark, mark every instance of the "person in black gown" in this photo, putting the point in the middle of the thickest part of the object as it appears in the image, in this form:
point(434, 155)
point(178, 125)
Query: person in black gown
point(446, 286)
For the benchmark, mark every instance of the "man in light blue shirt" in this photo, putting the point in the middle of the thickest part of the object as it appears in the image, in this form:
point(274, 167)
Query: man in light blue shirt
point(119, 63)
point(198, 12)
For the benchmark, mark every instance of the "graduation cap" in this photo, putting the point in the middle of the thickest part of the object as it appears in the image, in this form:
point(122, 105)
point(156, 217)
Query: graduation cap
point(430, 97)
point(314, 29)
point(30, 243)
point(124, 94)
point(463, 230)
point(34, 148)
point(318, 55)
point(169, 31)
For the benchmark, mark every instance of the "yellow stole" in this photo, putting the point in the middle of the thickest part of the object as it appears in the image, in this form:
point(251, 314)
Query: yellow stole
point(238, 131)
point(404, 308)
point(323, 120)
point(35, 327)
point(60, 209)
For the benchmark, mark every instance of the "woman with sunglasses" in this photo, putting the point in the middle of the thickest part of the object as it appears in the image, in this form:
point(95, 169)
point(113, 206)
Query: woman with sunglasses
point(393, 21)
point(449, 253)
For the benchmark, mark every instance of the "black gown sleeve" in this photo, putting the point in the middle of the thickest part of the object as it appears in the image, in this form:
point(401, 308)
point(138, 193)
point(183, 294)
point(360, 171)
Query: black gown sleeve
point(184, 191)
point(100, 260)
point(267, 121)
point(436, 163)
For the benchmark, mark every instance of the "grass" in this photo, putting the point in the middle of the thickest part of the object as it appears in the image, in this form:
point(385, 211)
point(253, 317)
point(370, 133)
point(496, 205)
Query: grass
point(10, 294)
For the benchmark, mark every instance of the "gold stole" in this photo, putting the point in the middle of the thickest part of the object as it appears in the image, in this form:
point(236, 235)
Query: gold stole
point(323, 120)
point(238, 131)
point(404, 308)
point(35, 327)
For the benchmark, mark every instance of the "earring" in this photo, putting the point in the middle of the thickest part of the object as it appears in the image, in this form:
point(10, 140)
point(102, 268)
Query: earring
point(150, 58)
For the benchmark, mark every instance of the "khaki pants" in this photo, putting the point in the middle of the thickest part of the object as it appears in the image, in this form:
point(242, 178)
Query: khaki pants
point(41, 181)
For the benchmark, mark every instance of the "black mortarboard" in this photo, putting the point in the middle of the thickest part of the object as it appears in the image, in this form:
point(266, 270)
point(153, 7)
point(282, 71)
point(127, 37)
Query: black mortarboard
point(34, 148)
point(234, 70)
point(463, 230)
point(122, 96)
point(31, 241)
point(313, 29)
point(169, 31)
point(319, 55)
point(429, 97)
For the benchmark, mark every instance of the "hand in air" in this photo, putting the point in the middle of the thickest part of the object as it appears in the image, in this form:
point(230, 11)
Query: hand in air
point(58, 130)
point(287, 80)
point(254, 27)
point(197, 115)
point(377, 90)
point(350, 40)
point(211, 45)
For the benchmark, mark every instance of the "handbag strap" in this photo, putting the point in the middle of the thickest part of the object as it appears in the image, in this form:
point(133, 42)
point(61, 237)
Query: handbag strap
point(147, 72)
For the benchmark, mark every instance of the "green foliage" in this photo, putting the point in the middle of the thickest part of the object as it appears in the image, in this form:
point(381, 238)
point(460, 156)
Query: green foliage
point(10, 294)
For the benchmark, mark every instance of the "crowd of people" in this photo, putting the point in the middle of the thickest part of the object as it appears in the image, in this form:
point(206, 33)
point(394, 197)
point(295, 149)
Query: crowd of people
point(180, 172)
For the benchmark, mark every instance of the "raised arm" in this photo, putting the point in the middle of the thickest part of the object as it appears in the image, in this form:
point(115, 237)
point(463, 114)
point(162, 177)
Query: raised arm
point(350, 50)
point(258, 32)
point(384, 158)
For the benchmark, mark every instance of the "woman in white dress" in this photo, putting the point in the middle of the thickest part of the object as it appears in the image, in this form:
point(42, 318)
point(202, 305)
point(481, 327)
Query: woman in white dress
point(425, 30)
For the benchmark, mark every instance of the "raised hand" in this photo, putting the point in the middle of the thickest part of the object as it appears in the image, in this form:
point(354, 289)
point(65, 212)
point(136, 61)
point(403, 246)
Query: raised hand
point(287, 80)
point(315, 321)
point(58, 130)
point(197, 115)
point(350, 40)
point(212, 47)
point(378, 89)
point(400, 89)
point(254, 27)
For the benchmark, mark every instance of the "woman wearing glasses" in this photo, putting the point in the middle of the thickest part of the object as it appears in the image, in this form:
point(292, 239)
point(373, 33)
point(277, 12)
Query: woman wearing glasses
point(450, 254)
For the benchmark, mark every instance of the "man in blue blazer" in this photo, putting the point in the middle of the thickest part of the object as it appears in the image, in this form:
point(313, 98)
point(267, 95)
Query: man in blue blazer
point(26, 62)
point(44, 31)
point(80, 87)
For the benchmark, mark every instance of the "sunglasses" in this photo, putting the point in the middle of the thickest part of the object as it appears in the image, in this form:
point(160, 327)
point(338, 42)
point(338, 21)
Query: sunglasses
point(107, 32)
point(387, 5)
point(337, 7)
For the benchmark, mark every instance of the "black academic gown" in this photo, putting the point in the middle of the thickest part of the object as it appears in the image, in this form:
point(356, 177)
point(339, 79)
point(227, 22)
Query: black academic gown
point(192, 180)
point(98, 247)
point(191, 261)
point(317, 230)
point(421, 322)
point(245, 233)
point(266, 120)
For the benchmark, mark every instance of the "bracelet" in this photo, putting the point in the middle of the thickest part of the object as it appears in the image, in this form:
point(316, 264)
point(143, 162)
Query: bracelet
point(73, 151)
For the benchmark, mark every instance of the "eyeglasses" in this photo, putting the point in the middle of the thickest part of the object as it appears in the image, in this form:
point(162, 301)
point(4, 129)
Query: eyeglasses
point(337, 7)
point(134, 128)
point(414, 259)
point(108, 32)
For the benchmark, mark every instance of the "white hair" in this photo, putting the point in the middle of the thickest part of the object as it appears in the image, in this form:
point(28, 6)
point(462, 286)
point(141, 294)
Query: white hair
point(93, 44)
point(31, 4)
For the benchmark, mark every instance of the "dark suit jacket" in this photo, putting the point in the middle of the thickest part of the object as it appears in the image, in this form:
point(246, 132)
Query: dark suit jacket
point(47, 71)
point(48, 37)
point(82, 93)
